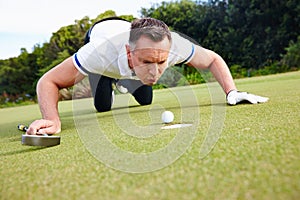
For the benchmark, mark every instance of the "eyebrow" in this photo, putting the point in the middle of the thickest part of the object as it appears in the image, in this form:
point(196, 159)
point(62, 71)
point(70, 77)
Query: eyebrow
point(150, 61)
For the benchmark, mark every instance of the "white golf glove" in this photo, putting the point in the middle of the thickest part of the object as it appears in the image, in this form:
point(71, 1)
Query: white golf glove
point(234, 97)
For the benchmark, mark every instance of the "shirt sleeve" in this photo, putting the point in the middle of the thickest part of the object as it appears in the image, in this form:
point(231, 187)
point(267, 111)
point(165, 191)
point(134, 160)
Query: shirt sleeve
point(182, 50)
point(87, 59)
point(107, 36)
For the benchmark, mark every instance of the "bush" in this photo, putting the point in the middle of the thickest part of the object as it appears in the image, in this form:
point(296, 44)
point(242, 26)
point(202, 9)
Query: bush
point(16, 100)
point(237, 71)
point(195, 78)
point(292, 58)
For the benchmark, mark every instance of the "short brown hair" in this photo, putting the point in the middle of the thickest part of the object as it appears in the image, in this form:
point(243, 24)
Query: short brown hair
point(154, 29)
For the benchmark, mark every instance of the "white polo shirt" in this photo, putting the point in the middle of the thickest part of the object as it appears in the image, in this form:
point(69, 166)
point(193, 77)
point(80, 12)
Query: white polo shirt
point(105, 54)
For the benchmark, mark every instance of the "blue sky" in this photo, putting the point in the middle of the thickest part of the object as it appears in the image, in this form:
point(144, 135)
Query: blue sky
point(25, 23)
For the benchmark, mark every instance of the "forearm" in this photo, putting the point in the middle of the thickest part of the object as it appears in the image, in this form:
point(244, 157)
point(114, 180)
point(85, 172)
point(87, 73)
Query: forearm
point(47, 93)
point(62, 76)
point(221, 72)
point(207, 59)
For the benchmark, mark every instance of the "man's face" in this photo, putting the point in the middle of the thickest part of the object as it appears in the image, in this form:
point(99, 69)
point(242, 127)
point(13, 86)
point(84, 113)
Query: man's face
point(149, 59)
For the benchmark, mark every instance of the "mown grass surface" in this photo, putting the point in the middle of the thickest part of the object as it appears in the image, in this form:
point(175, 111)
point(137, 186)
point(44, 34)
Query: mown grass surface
point(256, 156)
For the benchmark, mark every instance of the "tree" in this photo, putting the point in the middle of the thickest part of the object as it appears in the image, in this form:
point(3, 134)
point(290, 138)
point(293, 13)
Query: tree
point(261, 29)
point(249, 33)
point(19, 75)
point(292, 58)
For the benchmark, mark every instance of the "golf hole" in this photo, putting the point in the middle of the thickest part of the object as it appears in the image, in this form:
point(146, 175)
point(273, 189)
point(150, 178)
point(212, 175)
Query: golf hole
point(173, 126)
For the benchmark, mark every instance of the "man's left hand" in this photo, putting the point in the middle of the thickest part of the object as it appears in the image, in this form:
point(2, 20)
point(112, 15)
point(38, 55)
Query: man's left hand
point(234, 97)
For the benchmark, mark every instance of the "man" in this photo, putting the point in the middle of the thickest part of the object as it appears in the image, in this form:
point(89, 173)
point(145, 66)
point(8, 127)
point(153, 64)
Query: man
point(139, 53)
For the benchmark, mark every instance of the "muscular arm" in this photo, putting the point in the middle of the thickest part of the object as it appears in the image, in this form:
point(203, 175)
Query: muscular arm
point(207, 59)
point(63, 75)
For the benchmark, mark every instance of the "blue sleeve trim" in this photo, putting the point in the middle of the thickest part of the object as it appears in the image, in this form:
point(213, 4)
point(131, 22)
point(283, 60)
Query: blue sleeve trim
point(79, 65)
point(190, 56)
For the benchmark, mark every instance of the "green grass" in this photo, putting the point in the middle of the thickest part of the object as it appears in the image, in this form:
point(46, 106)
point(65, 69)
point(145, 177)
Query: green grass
point(256, 157)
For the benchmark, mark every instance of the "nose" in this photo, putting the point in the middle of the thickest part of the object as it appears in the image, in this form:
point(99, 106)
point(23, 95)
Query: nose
point(153, 69)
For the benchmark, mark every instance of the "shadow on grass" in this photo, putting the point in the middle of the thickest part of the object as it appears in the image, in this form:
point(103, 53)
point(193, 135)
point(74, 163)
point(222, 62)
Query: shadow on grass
point(125, 107)
point(122, 110)
point(174, 107)
point(14, 152)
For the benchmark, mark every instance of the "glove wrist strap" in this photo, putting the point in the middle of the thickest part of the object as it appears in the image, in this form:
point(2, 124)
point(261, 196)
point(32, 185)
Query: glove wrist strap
point(230, 92)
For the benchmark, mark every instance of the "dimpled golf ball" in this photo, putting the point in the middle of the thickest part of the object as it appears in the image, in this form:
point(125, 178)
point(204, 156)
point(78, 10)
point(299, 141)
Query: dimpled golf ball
point(167, 117)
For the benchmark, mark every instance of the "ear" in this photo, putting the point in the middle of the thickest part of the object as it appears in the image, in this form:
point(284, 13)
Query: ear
point(127, 50)
point(129, 57)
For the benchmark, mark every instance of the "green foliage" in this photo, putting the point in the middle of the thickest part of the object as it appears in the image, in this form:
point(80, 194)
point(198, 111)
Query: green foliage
point(195, 78)
point(172, 77)
point(180, 15)
point(260, 30)
point(255, 37)
point(238, 72)
point(247, 33)
point(18, 76)
point(61, 56)
point(292, 58)
point(12, 101)
point(272, 68)
point(106, 14)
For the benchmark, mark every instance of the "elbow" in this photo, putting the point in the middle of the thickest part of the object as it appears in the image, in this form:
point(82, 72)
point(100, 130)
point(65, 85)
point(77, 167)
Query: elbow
point(46, 84)
point(215, 59)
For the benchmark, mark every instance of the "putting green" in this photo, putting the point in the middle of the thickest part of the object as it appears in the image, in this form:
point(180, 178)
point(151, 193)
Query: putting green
point(256, 155)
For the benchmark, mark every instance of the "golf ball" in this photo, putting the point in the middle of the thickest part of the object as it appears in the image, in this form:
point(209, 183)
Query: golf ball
point(167, 117)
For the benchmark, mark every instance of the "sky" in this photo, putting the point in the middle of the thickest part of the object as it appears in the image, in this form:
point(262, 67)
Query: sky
point(25, 23)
